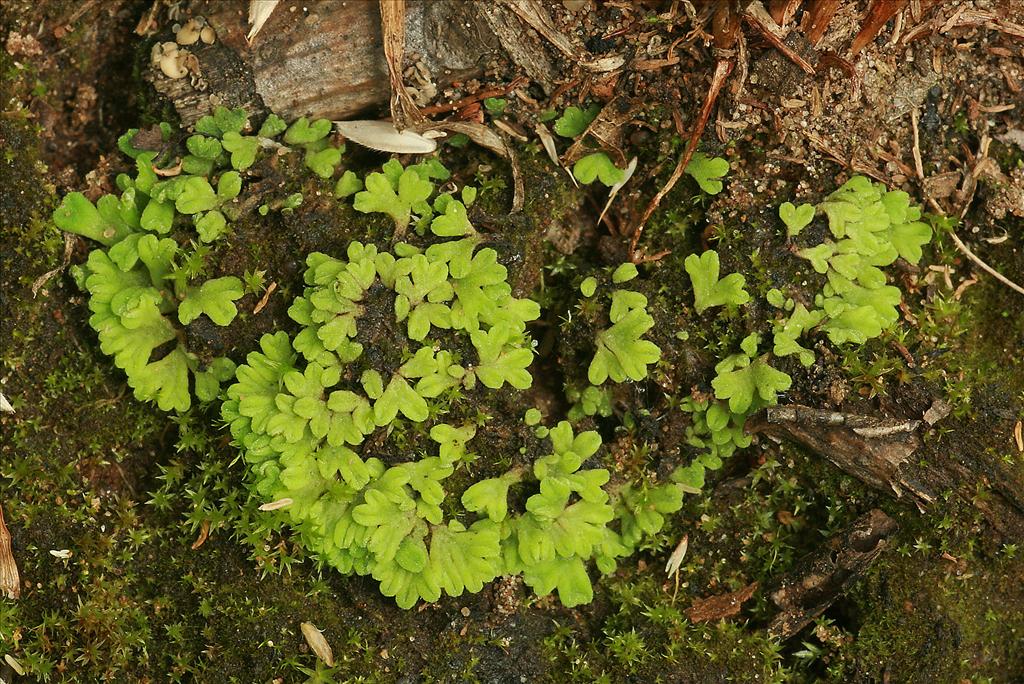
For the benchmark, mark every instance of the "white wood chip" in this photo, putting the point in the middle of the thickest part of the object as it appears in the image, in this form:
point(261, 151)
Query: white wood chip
point(384, 137)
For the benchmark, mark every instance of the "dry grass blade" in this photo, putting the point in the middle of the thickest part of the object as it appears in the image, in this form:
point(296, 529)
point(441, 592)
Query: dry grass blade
point(69, 245)
point(630, 170)
point(10, 581)
point(317, 643)
point(259, 12)
point(548, 142)
point(518, 190)
point(676, 559)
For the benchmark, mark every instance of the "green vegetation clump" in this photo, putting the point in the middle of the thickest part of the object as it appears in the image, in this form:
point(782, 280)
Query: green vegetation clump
point(391, 342)
point(306, 412)
point(744, 384)
point(708, 289)
point(622, 352)
point(871, 228)
point(148, 280)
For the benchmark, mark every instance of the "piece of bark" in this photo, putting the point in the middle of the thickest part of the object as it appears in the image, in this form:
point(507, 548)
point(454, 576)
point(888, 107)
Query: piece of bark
point(823, 576)
point(325, 59)
point(818, 17)
point(721, 606)
point(874, 450)
point(882, 453)
point(523, 45)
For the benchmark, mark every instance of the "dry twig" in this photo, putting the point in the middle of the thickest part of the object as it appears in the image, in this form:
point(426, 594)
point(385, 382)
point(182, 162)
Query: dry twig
point(722, 70)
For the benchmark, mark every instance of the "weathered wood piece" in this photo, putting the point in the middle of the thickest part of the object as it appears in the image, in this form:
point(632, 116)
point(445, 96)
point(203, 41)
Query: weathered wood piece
point(326, 59)
point(823, 576)
point(720, 606)
point(887, 455)
point(874, 450)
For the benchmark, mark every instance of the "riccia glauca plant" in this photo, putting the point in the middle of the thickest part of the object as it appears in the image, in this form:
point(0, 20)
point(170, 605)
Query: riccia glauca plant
point(396, 348)
point(416, 342)
point(146, 280)
point(870, 228)
point(366, 431)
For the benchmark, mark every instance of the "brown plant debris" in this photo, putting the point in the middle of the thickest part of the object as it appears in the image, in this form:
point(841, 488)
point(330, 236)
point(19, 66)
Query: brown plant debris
point(721, 606)
point(10, 581)
point(204, 534)
point(822, 576)
point(722, 70)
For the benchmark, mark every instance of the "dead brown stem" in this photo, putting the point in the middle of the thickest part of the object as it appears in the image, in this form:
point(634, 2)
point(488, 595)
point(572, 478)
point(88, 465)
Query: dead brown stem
point(756, 16)
point(497, 91)
point(722, 70)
